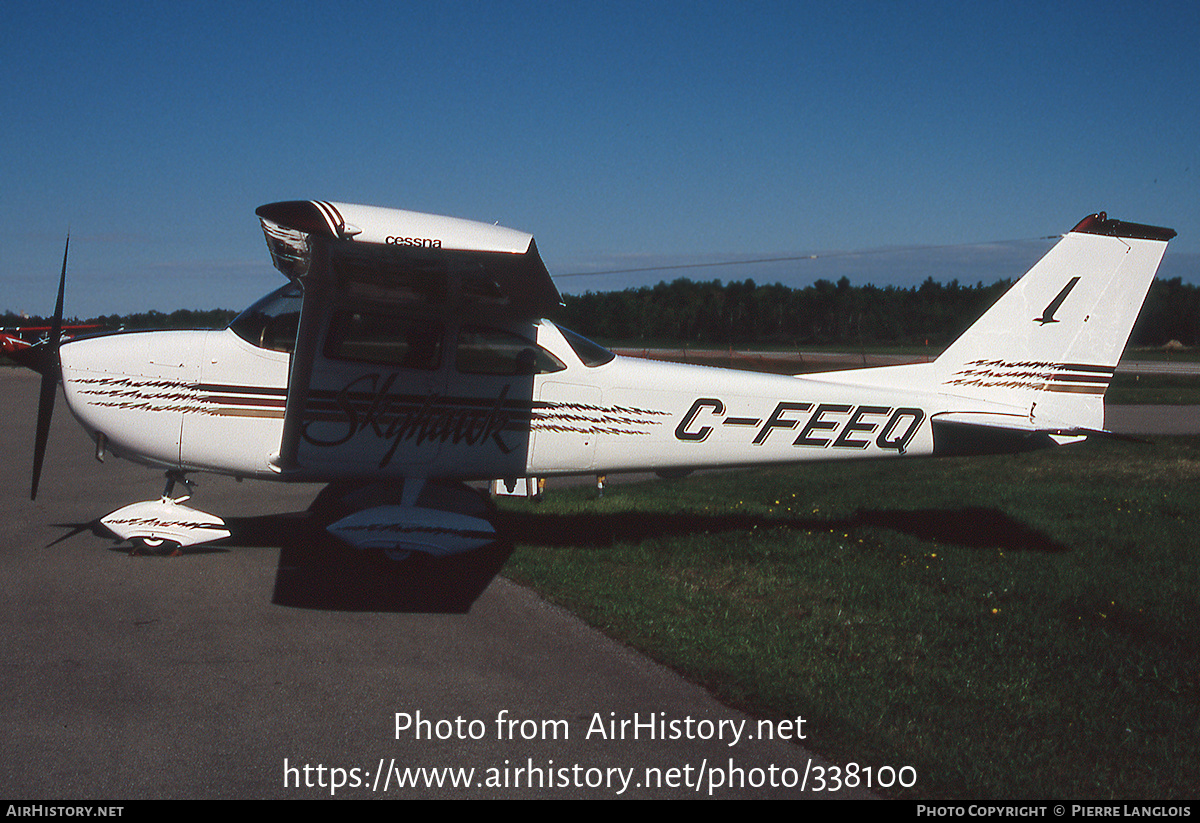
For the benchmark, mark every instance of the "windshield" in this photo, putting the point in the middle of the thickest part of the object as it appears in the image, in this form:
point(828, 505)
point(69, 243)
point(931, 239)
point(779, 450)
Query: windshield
point(271, 323)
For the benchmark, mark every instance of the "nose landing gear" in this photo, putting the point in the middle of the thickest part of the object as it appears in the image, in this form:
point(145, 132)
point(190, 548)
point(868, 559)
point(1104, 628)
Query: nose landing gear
point(165, 526)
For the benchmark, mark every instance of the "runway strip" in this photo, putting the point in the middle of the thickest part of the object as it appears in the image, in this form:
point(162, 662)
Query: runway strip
point(1152, 420)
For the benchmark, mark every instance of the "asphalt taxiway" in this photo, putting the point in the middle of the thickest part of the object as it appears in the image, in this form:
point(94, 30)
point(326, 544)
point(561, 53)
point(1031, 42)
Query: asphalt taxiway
point(225, 673)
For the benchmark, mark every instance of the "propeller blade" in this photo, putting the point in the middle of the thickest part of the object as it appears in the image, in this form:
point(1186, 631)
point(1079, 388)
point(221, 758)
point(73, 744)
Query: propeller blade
point(50, 378)
point(45, 412)
point(56, 325)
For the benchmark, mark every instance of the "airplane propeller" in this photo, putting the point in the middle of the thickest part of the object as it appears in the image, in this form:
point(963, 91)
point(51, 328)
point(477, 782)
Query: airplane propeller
point(51, 371)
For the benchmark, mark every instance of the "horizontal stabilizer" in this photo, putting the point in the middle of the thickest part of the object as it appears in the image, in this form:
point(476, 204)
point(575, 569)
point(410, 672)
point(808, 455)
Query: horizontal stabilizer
point(968, 433)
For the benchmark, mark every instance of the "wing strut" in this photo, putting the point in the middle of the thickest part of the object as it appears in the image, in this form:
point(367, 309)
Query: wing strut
point(316, 287)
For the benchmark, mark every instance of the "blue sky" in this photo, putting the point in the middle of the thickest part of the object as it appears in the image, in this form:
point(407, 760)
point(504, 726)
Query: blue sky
point(616, 133)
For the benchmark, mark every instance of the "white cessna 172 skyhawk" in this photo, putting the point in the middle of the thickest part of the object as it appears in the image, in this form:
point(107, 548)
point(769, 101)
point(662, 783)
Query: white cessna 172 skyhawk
point(407, 354)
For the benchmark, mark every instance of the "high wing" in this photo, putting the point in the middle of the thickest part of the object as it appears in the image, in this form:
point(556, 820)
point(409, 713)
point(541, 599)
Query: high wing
point(386, 298)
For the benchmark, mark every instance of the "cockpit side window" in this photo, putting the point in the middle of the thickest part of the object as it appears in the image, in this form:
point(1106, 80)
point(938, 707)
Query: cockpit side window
point(271, 322)
point(409, 343)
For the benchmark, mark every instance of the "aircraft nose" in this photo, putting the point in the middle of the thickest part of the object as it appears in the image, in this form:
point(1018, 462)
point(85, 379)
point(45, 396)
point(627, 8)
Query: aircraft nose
point(134, 389)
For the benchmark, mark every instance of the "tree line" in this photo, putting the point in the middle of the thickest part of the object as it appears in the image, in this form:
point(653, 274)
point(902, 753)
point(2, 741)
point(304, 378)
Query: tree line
point(744, 314)
point(179, 319)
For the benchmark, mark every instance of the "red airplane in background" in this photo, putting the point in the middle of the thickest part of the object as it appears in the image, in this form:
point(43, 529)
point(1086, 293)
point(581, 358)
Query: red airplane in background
point(15, 338)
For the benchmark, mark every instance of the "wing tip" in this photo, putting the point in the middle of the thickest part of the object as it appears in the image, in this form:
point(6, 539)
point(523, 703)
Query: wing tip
point(1100, 224)
point(311, 216)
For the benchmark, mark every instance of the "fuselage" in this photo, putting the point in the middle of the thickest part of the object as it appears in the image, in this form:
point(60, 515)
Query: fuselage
point(214, 401)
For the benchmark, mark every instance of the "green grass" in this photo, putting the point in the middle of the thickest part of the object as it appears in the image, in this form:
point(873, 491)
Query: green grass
point(1154, 389)
point(1159, 353)
point(1013, 627)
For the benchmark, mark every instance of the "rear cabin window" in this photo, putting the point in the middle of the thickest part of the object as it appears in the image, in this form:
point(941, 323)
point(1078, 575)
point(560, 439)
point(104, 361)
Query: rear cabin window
point(590, 353)
point(483, 350)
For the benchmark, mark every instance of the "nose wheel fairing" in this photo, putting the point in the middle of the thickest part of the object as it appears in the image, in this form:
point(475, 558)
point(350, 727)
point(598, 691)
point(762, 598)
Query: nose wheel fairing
point(165, 524)
point(152, 522)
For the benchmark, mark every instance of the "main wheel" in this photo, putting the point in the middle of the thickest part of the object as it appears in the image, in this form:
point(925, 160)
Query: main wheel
point(154, 545)
point(340, 499)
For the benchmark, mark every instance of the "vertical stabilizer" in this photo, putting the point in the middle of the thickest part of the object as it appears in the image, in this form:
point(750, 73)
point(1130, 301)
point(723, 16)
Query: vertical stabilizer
point(1050, 345)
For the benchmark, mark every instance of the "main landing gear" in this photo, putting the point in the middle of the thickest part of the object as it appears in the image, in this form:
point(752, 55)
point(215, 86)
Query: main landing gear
point(165, 526)
point(405, 517)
